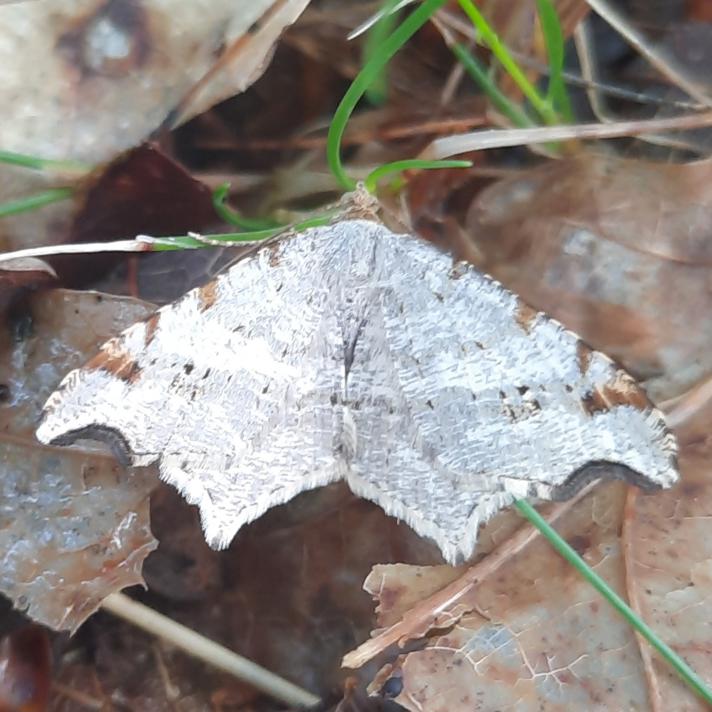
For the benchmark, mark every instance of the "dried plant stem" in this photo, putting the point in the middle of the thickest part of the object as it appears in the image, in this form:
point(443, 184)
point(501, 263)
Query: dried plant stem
point(207, 650)
point(416, 622)
point(633, 595)
point(502, 138)
point(80, 248)
point(79, 697)
point(689, 405)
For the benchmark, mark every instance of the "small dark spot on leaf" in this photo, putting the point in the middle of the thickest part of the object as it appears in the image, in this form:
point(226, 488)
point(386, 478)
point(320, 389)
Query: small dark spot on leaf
point(689, 489)
point(124, 20)
point(580, 543)
point(392, 687)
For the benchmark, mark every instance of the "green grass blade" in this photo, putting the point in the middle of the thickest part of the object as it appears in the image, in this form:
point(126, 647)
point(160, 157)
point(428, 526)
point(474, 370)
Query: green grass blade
point(32, 202)
point(542, 106)
point(557, 92)
point(377, 93)
point(499, 100)
point(386, 169)
point(185, 242)
point(688, 675)
point(232, 217)
point(363, 80)
point(41, 164)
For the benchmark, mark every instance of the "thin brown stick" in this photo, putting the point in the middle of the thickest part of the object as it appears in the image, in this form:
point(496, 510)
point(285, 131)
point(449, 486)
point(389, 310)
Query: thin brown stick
point(633, 595)
point(77, 696)
point(207, 650)
point(677, 412)
point(416, 622)
point(683, 408)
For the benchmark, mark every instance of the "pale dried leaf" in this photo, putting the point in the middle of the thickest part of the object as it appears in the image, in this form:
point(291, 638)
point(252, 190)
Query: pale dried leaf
point(542, 637)
point(616, 249)
point(73, 524)
point(87, 79)
point(106, 74)
point(670, 568)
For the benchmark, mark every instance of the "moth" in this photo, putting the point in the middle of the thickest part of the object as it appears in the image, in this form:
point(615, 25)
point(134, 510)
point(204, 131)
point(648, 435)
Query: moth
point(352, 353)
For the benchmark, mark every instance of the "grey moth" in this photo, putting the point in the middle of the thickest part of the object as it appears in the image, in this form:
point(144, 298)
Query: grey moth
point(352, 353)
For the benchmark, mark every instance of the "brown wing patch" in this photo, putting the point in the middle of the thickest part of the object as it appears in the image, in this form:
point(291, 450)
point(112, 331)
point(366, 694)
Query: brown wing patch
point(207, 295)
point(116, 362)
point(594, 402)
point(274, 254)
point(525, 316)
point(625, 391)
point(583, 354)
point(151, 326)
point(622, 391)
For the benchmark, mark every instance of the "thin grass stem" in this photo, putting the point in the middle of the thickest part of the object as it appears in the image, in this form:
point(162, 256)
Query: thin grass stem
point(542, 106)
point(32, 202)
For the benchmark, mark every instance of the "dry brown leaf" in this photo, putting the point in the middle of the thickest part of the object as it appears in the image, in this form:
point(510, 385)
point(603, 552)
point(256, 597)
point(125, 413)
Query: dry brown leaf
point(87, 79)
point(617, 250)
point(541, 636)
point(534, 633)
point(669, 560)
point(22, 275)
point(25, 670)
point(73, 524)
point(106, 73)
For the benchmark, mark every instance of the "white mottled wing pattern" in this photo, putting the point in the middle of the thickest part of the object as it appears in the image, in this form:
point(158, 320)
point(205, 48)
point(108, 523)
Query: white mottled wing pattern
point(351, 352)
point(467, 398)
point(228, 388)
